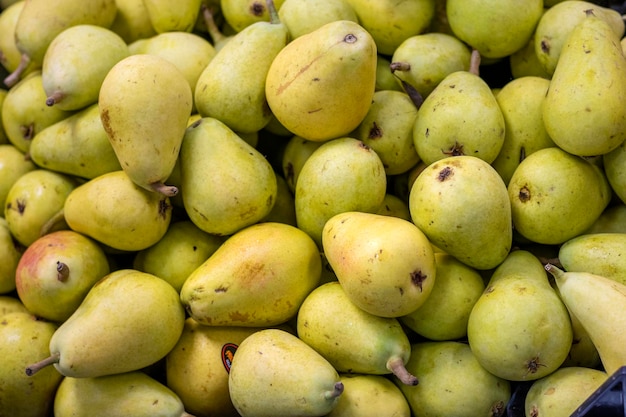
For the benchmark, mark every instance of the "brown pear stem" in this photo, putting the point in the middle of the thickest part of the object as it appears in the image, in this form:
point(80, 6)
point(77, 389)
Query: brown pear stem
point(166, 190)
point(336, 392)
point(15, 76)
point(209, 21)
point(63, 271)
point(271, 8)
point(554, 271)
point(53, 221)
point(54, 98)
point(38, 366)
point(475, 62)
point(396, 366)
point(400, 66)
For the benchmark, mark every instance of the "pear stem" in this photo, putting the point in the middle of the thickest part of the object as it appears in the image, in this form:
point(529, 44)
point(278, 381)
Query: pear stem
point(399, 66)
point(63, 271)
point(396, 366)
point(556, 272)
point(475, 62)
point(209, 21)
point(271, 8)
point(166, 190)
point(15, 76)
point(336, 392)
point(54, 98)
point(36, 367)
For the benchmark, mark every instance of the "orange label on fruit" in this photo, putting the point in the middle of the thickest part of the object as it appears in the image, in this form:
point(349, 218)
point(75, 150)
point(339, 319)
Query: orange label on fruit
point(228, 352)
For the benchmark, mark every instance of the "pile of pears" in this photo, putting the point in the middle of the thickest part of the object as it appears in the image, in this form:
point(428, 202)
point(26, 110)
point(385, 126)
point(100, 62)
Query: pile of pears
point(343, 208)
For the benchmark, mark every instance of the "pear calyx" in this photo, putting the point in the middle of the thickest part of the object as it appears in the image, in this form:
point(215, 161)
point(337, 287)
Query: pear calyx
point(396, 365)
point(37, 366)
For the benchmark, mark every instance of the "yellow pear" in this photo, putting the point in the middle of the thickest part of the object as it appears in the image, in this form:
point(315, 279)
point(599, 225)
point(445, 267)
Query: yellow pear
point(172, 15)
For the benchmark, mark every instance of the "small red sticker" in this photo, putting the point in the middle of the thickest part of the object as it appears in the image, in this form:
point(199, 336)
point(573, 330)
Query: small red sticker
point(228, 352)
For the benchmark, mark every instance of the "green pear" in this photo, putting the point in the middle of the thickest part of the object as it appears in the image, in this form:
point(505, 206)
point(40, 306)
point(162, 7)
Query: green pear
point(519, 329)
point(453, 383)
point(445, 313)
point(11, 304)
point(25, 113)
point(613, 163)
point(227, 183)
point(127, 321)
point(386, 265)
point(98, 208)
point(612, 220)
point(197, 367)
point(11, 55)
point(598, 302)
point(13, 164)
point(246, 284)
point(77, 145)
point(461, 204)
point(33, 200)
point(182, 249)
point(341, 175)
point(132, 21)
point(557, 23)
point(218, 38)
point(23, 339)
point(394, 206)
point(385, 79)
point(320, 85)
point(275, 373)
point(562, 392)
point(190, 52)
point(370, 396)
point(493, 27)
point(126, 394)
point(582, 352)
point(296, 152)
point(588, 80)
point(76, 62)
point(424, 60)
point(525, 63)
point(459, 117)
point(352, 339)
point(596, 253)
point(401, 20)
point(10, 254)
point(284, 209)
point(304, 16)
point(235, 93)
point(171, 15)
point(3, 136)
point(41, 21)
point(388, 129)
point(149, 88)
point(239, 14)
point(520, 101)
point(56, 272)
point(547, 190)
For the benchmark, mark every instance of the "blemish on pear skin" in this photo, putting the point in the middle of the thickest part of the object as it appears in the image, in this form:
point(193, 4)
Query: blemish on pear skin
point(497, 409)
point(524, 194)
point(257, 8)
point(28, 132)
point(545, 46)
point(418, 278)
point(445, 174)
point(375, 132)
point(163, 208)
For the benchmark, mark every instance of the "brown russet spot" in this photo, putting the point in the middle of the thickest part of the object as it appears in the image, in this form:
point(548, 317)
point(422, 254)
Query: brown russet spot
point(375, 131)
point(164, 207)
point(545, 46)
point(445, 173)
point(524, 194)
point(257, 8)
point(418, 278)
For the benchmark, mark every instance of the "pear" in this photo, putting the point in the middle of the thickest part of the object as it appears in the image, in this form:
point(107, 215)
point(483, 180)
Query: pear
point(13, 164)
point(459, 117)
point(23, 339)
point(77, 145)
point(394, 206)
point(341, 175)
point(304, 16)
point(145, 102)
point(132, 21)
point(98, 208)
point(453, 383)
point(41, 21)
point(370, 396)
point(582, 352)
point(612, 220)
point(388, 130)
point(520, 101)
point(445, 313)
point(139, 323)
point(33, 200)
point(401, 20)
point(275, 373)
point(227, 183)
point(598, 302)
point(11, 304)
point(11, 55)
point(239, 14)
point(76, 62)
point(235, 94)
point(519, 329)
point(3, 136)
point(613, 163)
point(562, 392)
point(321, 84)
point(25, 113)
point(171, 15)
point(296, 152)
point(246, 284)
point(558, 21)
point(57, 271)
point(424, 60)
point(351, 339)
point(9, 258)
point(386, 265)
point(495, 28)
point(385, 79)
point(284, 210)
point(547, 190)
point(588, 80)
point(197, 368)
point(525, 63)
point(596, 253)
point(182, 249)
point(131, 393)
point(461, 205)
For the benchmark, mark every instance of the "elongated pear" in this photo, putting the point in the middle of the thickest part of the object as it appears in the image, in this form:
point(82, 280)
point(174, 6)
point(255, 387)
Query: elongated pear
point(145, 102)
point(582, 110)
point(596, 253)
point(128, 320)
point(599, 303)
